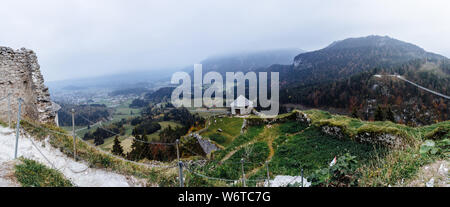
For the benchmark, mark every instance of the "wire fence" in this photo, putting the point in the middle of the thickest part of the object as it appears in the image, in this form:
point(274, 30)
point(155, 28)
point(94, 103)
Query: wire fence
point(243, 179)
point(188, 167)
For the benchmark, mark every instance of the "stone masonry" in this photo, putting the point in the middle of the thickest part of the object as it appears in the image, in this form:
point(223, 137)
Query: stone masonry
point(20, 75)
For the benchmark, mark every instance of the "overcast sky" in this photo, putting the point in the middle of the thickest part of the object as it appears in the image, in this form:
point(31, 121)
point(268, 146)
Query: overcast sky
point(75, 38)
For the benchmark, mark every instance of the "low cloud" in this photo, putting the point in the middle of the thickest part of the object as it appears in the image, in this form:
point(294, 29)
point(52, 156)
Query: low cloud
point(76, 38)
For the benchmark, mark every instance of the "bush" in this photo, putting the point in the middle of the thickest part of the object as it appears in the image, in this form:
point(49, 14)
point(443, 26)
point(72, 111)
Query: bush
point(341, 174)
point(434, 148)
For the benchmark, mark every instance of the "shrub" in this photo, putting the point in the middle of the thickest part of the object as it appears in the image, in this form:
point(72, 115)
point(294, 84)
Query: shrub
point(341, 174)
point(434, 148)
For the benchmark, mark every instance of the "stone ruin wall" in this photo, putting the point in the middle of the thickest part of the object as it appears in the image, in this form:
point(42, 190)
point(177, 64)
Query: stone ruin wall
point(20, 75)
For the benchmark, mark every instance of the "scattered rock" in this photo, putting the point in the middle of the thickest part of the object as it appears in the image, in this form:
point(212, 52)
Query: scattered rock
point(432, 175)
point(430, 183)
point(333, 131)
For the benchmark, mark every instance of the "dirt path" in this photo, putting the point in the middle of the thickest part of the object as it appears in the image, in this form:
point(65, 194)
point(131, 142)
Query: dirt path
point(269, 136)
point(235, 150)
point(296, 133)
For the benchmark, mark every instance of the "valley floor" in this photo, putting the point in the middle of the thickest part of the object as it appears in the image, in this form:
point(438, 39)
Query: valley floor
point(79, 173)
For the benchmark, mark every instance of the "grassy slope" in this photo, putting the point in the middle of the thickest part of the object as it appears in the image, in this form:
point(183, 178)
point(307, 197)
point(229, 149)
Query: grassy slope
point(294, 147)
point(297, 147)
point(231, 129)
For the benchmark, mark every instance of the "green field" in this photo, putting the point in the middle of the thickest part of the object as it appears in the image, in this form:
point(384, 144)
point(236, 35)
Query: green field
point(122, 111)
point(231, 128)
point(127, 139)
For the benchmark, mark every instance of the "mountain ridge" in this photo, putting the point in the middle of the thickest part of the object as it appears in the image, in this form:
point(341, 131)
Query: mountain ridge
point(341, 77)
point(354, 55)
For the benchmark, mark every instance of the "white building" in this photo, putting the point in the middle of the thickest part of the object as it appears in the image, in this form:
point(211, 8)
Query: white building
point(241, 106)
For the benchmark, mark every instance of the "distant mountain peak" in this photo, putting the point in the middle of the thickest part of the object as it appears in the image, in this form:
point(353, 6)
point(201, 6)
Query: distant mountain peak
point(371, 48)
point(347, 57)
point(375, 41)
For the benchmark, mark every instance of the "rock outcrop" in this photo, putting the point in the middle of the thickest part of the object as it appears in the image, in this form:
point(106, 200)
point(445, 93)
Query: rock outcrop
point(20, 75)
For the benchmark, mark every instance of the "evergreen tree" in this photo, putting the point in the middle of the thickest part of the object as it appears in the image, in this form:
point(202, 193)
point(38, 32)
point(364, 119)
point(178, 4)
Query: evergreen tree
point(379, 114)
point(390, 115)
point(139, 149)
point(98, 140)
point(117, 148)
point(355, 113)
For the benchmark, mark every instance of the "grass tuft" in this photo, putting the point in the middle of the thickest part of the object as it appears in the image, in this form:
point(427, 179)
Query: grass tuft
point(33, 174)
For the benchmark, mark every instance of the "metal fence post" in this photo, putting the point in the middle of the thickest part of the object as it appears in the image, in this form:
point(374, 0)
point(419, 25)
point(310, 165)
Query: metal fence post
point(17, 127)
point(73, 134)
point(181, 173)
point(243, 172)
point(268, 175)
point(178, 150)
point(180, 164)
point(302, 176)
point(9, 109)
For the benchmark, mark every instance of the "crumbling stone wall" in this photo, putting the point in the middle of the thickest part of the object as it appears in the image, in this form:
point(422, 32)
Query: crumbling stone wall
point(20, 75)
point(387, 137)
point(293, 116)
point(384, 139)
